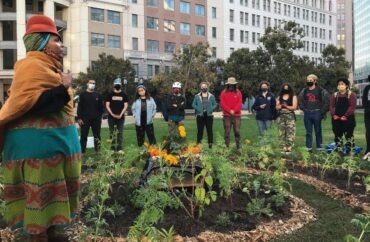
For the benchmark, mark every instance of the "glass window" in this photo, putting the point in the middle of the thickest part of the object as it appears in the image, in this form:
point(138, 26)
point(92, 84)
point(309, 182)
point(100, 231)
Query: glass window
point(169, 5)
point(214, 32)
point(231, 15)
point(152, 23)
point(114, 41)
point(136, 68)
point(185, 28)
point(241, 17)
point(152, 3)
point(200, 30)
point(114, 17)
point(214, 52)
point(150, 70)
point(241, 36)
point(231, 34)
point(152, 46)
point(135, 43)
point(134, 20)
point(169, 47)
point(156, 69)
point(184, 7)
point(169, 26)
point(97, 40)
point(199, 10)
point(214, 12)
point(97, 14)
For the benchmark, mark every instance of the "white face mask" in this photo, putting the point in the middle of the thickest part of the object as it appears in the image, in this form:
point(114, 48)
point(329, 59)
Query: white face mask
point(91, 86)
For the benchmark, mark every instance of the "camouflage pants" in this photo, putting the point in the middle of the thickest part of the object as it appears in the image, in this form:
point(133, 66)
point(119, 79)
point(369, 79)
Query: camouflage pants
point(173, 127)
point(286, 122)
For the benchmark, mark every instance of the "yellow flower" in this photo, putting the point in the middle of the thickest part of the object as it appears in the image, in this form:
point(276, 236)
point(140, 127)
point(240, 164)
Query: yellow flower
point(109, 141)
point(182, 134)
point(146, 144)
point(171, 159)
point(181, 128)
point(247, 141)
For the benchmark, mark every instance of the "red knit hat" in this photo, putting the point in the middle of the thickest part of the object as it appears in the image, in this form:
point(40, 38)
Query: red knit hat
point(41, 24)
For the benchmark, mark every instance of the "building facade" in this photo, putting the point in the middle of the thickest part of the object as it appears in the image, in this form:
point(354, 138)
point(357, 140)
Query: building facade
point(244, 22)
point(345, 30)
point(361, 12)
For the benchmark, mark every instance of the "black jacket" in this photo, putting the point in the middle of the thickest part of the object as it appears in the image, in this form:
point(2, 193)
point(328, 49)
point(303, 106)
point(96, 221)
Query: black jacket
point(179, 101)
point(269, 112)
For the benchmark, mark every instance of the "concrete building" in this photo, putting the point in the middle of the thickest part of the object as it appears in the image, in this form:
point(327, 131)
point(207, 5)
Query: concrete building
point(345, 30)
point(244, 22)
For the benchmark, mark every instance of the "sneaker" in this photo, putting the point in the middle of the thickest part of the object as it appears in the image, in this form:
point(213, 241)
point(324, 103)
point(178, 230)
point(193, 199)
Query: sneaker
point(120, 152)
point(308, 149)
point(320, 149)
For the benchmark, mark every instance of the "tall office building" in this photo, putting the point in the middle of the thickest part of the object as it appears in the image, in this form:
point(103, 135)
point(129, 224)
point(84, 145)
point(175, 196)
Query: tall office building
point(361, 12)
point(244, 22)
point(345, 30)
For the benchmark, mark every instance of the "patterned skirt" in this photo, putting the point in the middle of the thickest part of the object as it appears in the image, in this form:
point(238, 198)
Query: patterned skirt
point(41, 166)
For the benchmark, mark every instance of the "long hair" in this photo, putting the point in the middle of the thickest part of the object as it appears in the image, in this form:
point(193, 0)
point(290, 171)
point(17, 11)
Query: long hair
point(290, 88)
point(137, 96)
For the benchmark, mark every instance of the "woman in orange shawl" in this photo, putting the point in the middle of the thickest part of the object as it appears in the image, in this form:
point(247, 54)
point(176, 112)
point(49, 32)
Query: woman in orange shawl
point(42, 155)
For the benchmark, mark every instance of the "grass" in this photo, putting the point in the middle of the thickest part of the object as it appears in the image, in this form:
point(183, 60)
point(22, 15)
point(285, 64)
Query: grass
point(248, 130)
point(333, 222)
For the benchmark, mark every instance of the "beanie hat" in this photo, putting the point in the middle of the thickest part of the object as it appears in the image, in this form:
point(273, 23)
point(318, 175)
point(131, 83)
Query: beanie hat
point(41, 24)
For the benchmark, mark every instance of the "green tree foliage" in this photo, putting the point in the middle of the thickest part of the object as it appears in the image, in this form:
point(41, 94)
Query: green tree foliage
point(105, 70)
point(275, 61)
point(191, 68)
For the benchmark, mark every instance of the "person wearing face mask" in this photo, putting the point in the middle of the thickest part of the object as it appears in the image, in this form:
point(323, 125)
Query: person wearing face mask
point(286, 104)
point(231, 104)
point(175, 109)
point(143, 110)
point(204, 104)
point(41, 150)
point(116, 105)
point(265, 106)
point(314, 102)
point(342, 110)
point(89, 114)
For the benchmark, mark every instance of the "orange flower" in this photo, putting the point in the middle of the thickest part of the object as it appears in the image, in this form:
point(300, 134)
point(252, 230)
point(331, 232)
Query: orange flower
point(146, 144)
point(196, 150)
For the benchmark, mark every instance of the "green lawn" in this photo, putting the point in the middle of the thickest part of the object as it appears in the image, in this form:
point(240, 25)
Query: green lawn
point(248, 130)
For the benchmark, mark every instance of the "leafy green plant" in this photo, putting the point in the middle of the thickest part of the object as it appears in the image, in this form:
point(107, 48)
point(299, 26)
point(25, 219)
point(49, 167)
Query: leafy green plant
point(327, 161)
point(259, 207)
point(362, 222)
point(223, 219)
point(351, 165)
point(366, 182)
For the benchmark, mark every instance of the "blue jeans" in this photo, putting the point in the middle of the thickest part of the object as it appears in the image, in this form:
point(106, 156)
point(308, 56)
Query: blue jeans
point(263, 125)
point(313, 119)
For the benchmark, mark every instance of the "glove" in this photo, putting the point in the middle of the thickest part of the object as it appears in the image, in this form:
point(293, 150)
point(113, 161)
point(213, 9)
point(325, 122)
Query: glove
point(343, 118)
point(336, 117)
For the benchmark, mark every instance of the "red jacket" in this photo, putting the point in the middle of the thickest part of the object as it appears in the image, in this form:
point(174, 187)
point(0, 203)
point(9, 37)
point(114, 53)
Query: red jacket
point(231, 100)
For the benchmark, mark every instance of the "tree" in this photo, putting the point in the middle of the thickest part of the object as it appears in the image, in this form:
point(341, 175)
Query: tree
point(106, 69)
point(191, 68)
point(334, 65)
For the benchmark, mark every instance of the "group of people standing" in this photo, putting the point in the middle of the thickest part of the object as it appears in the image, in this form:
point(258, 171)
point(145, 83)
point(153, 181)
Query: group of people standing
point(315, 102)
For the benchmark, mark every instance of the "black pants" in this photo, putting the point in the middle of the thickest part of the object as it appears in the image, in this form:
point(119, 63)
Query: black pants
point(344, 128)
point(208, 122)
point(116, 131)
point(95, 125)
point(140, 134)
point(367, 126)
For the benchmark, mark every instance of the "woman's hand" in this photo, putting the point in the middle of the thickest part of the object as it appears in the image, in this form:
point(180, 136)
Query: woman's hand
point(66, 78)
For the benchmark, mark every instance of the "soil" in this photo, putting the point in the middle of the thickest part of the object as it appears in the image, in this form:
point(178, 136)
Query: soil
point(337, 177)
point(235, 206)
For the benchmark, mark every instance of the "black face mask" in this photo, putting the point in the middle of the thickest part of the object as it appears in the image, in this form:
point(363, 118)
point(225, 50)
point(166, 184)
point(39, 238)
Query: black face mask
point(264, 89)
point(310, 84)
point(117, 87)
point(285, 91)
point(231, 87)
point(204, 89)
